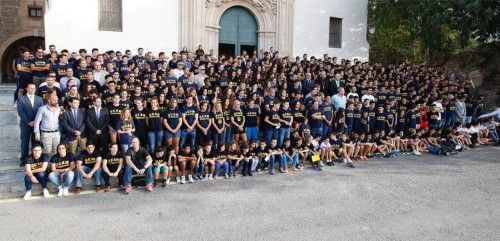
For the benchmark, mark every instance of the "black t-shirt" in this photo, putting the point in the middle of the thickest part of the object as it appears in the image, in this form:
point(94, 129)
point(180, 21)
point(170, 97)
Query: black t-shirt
point(154, 120)
point(139, 157)
point(114, 114)
point(219, 119)
point(237, 116)
point(288, 150)
point(262, 152)
point(112, 160)
point(62, 162)
point(273, 149)
point(87, 159)
point(251, 116)
point(159, 160)
point(140, 119)
point(221, 155)
point(274, 117)
point(286, 115)
point(36, 163)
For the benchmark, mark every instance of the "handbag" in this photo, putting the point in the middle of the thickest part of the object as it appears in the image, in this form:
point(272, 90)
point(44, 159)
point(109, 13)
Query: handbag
point(315, 158)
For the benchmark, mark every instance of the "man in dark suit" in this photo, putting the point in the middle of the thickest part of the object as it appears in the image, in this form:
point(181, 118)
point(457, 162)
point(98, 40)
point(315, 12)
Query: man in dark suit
point(336, 83)
point(27, 106)
point(74, 126)
point(307, 84)
point(98, 125)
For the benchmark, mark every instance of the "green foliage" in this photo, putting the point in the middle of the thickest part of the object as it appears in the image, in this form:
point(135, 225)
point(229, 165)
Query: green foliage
point(418, 30)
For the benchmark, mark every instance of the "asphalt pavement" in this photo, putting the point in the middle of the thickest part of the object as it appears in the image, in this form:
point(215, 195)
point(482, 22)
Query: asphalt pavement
point(404, 198)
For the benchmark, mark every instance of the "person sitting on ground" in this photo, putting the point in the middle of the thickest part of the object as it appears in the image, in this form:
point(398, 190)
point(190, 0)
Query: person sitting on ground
point(62, 165)
point(138, 161)
point(35, 166)
point(160, 163)
point(112, 166)
point(88, 165)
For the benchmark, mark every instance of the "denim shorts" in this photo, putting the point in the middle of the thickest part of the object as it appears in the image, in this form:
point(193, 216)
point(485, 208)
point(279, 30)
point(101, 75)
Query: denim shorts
point(160, 169)
point(169, 135)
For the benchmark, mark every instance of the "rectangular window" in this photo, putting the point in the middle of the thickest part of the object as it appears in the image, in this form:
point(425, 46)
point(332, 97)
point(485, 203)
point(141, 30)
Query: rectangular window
point(335, 39)
point(110, 15)
point(35, 12)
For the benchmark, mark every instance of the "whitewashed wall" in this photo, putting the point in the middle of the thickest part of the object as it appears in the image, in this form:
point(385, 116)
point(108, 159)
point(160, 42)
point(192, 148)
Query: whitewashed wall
point(311, 28)
point(73, 24)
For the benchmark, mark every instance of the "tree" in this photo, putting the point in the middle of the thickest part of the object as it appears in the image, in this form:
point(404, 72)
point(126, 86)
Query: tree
point(423, 29)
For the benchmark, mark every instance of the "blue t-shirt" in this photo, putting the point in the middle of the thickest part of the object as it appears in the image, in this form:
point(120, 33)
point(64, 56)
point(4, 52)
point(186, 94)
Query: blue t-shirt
point(380, 119)
point(190, 112)
point(24, 63)
point(204, 118)
point(60, 70)
point(173, 116)
point(40, 63)
point(315, 123)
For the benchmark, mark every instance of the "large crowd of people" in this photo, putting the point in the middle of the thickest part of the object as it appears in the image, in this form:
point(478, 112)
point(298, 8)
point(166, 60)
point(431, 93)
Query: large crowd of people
point(196, 116)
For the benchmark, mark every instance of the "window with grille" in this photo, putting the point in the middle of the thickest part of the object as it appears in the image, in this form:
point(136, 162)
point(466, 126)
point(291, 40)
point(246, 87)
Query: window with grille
point(35, 12)
point(110, 15)
point(335, 39)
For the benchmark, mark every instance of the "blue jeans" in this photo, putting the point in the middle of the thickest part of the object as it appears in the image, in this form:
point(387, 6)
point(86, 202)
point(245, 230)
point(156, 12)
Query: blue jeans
point(86, 169)
point(450, 120)
point(154, 139)
point(493, 135)
point(252, 133)
point(272, 160)
point(55, 178)
point(284, 133)
point(327, 129)
point(228, 135)
point(317, 131)
point(225, 168)
point(199, 169)
point(125, 148)
point(188, 134)
point(270, 133)
point(217, 139)
point(40, 176)
point(294, 160)
point(127, 175)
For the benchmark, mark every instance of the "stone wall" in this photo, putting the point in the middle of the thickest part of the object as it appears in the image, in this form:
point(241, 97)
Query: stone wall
point(479, 66)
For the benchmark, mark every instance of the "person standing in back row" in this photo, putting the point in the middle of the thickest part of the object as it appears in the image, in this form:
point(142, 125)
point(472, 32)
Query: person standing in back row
point(27, 107)
point(46, 126)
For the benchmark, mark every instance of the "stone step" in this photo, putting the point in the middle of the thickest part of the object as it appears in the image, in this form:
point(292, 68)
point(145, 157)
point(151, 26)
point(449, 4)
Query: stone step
point(9, 167)
point(8, 87)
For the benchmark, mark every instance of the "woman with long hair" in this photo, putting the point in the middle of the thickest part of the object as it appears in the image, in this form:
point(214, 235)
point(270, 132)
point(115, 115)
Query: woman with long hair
point(125, 129)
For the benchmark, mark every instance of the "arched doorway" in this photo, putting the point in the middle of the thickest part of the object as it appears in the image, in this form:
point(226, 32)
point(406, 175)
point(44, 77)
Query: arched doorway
point(238, 32)
point(12, 52)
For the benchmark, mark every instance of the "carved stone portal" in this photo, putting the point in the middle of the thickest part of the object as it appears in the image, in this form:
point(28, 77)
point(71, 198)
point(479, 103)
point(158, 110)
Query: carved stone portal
point(200, 23)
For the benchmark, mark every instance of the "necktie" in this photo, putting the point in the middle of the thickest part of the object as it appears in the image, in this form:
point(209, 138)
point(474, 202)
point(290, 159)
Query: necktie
point(74, 114)
point(32, 100)
point(97, 113)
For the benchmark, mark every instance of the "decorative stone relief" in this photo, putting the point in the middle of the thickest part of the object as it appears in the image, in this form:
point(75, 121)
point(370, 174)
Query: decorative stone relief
point(259, 4)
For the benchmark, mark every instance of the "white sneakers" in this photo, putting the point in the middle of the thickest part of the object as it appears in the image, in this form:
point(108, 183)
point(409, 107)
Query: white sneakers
point(417, 153)
point(190, 178)
point(65, 191)
point(183, 179)
point(46, 193)
point(27, 195)
point(210, 177)
point(60, 192)
point(178, 179)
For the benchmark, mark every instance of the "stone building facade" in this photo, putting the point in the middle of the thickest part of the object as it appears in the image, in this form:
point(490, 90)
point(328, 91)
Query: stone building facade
point(19, 28)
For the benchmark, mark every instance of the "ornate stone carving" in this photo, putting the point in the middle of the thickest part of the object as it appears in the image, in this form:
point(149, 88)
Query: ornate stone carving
point(259, 4)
